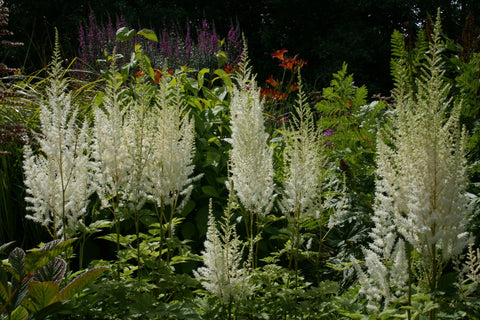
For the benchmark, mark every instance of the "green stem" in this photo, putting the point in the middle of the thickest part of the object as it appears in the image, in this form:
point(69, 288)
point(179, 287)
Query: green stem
point(137, 234)
point(161, 218)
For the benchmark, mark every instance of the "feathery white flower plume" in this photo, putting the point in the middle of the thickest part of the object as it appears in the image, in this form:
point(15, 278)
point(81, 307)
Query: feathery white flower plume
point(251, 165)
point(304, 162)
point(57, 178)
point(170, 170)
point(113, 162)
point(223, 274)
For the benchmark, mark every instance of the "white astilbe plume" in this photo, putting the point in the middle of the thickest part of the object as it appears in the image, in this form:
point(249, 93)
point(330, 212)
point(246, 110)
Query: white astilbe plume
point(57, 178)
point(251, 165)
point(304, 163)
point(421, 169)
point(428, 175)
point(138, 139)
point(113, 161)
point(385, 276)
point(170, 169)
point(223, 274)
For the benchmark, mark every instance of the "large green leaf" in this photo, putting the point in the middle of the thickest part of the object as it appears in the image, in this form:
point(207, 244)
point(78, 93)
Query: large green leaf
point(36, 259)
point(149, 34)
point(52, 271)
point(124, 34)
point(79, 283)
point(41, 294)
point(19, 313)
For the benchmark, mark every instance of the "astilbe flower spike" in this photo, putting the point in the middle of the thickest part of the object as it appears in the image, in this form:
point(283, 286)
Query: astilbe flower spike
point(251, 158)
point(223, 274)
point(111, 156)
point(427, 176)
point(170, 170)
point(421, 185)
point(57, 178)
point(305, 163)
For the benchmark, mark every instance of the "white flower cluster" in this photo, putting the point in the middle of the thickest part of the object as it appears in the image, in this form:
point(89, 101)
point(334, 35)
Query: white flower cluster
point(112, 159)
point(421, 185)
point(423, 163)
point(223, 274)
point(251, 165)
point(304, 163)
point(172, 144)
point(141, 149)
point(57, 178)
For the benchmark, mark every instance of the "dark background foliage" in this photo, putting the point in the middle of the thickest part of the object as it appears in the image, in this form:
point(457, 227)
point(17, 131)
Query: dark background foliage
point(326, 33)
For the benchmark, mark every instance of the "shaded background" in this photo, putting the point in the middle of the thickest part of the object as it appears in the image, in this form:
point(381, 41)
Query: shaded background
point(325, 33)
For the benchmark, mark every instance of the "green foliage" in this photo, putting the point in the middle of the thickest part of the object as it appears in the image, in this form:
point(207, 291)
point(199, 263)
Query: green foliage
point(30, 282)
point(349, 126)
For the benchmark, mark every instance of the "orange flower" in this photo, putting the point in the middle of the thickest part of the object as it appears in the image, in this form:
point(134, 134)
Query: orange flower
point(282, 96)
point(159, 73)
point(293, 87)
point(228, 68)
point(293, 63)
point(138, 73)
point(266, 91)
point(288, 63)
point(279, 53)
point(273, 82)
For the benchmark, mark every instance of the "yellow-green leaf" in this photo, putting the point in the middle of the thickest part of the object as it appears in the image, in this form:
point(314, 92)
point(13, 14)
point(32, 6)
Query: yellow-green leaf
point(79, 283)
point(42, 293)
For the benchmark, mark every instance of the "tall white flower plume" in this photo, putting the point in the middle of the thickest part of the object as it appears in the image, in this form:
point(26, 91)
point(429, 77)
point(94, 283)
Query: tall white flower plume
point(57, 178)
point(421, 183)
point(113, 162)
point(251, 165)
point(170, 170)
point(304, 163)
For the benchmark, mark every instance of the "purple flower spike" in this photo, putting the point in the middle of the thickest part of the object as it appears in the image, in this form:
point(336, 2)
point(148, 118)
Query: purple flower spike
point(328, 132)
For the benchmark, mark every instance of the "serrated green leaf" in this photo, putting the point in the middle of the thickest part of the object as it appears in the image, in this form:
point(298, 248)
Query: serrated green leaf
point(124, 34)
point(42, 293)
point(100, 224)
point(79, 283)
point(149, 34)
